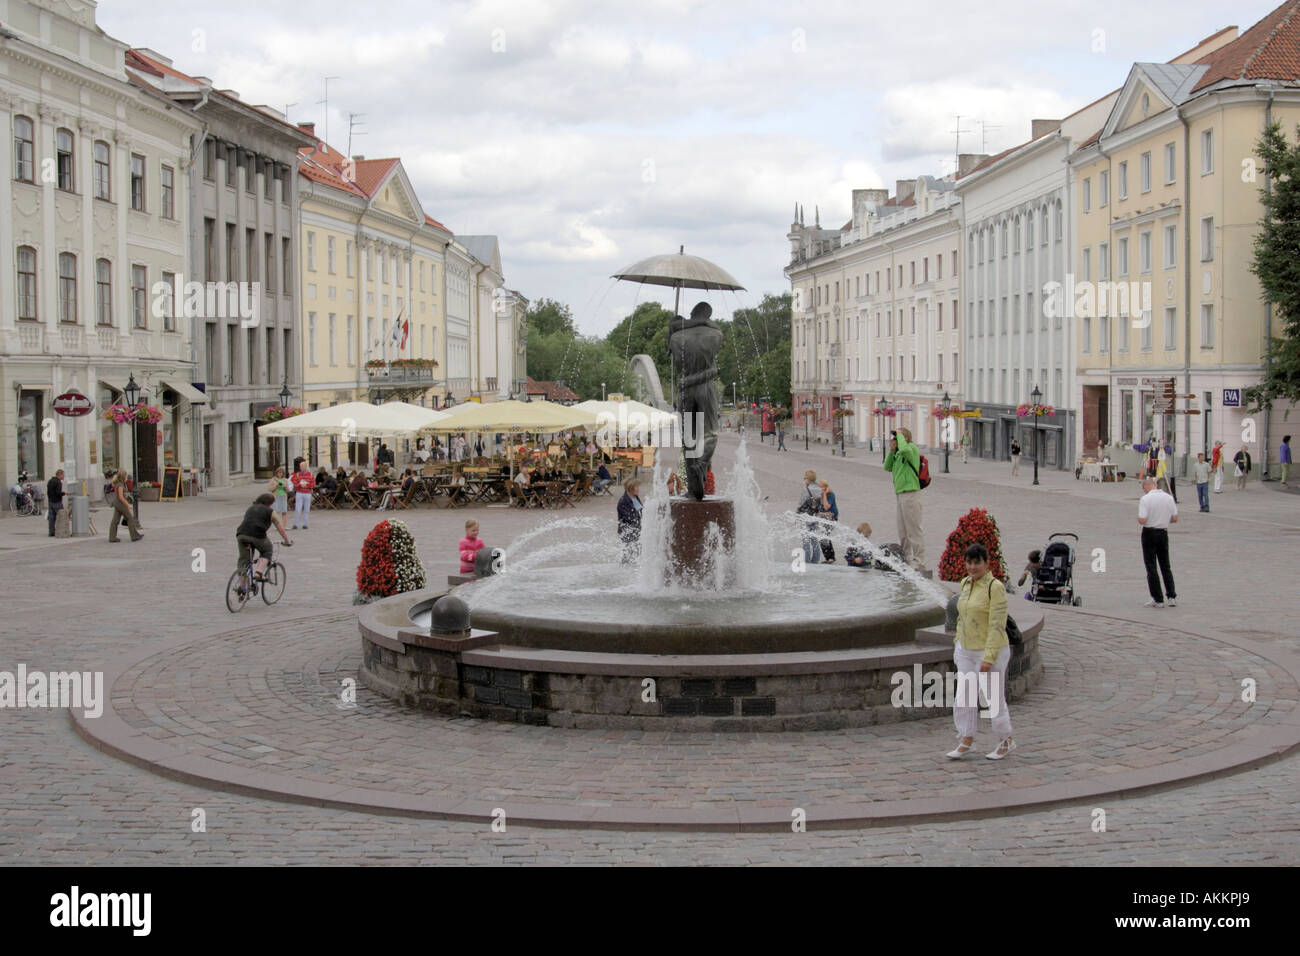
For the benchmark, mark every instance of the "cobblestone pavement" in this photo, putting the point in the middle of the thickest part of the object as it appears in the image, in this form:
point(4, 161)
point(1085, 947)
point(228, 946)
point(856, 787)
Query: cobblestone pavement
point(83, 603)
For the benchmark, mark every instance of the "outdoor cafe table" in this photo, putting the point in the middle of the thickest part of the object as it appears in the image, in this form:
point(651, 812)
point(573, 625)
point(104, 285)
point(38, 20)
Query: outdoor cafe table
point(1097, 470)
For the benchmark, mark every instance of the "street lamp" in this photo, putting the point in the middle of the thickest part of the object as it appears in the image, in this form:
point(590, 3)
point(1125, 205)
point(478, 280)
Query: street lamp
point(1037, 397)
point(132, 393)
point(285, 397)
point(841, 409)
point(947, 411)
point(883, 406)
point(602, 391)
point(807, 407)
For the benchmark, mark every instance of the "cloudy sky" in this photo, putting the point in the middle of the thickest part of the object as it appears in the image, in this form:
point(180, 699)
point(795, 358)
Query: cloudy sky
point(590, 135)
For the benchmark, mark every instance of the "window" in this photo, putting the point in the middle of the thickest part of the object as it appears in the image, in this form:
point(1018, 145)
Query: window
point(27, 283)
point(286, 266)
point(1144, 252)
point(1122, 255)
point(168, 178)
point(1144, 171)
point(1207, 152)
point(137, 182)
point(1015, 238)
point(1058, 224)
point(169, 302)
point(1171, 246)
point(232, 167)
point(900, 277)
point(1085, 334)
point(67, 287)
point(1126, 418)
point(64, 159)
point(270, 356)
point(284, 194)
point(1087, 194)
point(103, 292)
point(250, 354)
point(1085, 264)
point(250, 255)
point(287, 355)
point(235, 446)
point(139, 306)
point(311, 251)
point(1004, 238)
point(1207, 239)
point(1171, 169)
point(268, 263)
point(329, 254)
point(938, 266)
point(250, 177)
point(1103, 261)
point(352, 344)
point(103, 172)
point(348, 255)
point(1122, 186)
point(24, 150)
point(331, 340)
point(311, 338)
point(1042, 238)
point(1207, 326)
point(1015, 313)
point(954, 370)
point(210, 160)
point(940, 319)
point(925, 276)
point(1171, 334)
point(1029, 230)
point(1002, 324)
point(230, 354)
point(384, 259)
point(269, 174)
point(1146, 330)
point(913, 327)
point(1103, 187)
point(210, 350)
point(232, 252)
point(1123, 322)
point(954, 321)
point(1103, 334)
point(209, 248)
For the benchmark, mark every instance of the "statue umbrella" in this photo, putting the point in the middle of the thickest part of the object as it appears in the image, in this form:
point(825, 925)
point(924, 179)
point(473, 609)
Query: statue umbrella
point(680, 271)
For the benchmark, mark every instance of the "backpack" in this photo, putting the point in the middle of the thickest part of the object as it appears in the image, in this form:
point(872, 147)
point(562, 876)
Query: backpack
point(1013, 629)
point(924, 474)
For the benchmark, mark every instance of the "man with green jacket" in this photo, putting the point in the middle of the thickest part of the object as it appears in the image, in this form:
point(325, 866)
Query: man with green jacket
point(904, 461)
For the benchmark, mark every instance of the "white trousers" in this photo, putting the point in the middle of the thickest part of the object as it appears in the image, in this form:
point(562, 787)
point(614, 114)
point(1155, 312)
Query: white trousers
point(967, 717)
point(1218, 480)
point(301, 508)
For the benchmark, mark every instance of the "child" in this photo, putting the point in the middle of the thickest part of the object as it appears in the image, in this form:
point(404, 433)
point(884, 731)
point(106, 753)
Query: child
point(1031, 572)
point(859, 557)
point(469, 547)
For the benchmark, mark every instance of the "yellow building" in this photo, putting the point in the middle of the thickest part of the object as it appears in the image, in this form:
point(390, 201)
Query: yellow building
point(1167, 212)
point(373, 290)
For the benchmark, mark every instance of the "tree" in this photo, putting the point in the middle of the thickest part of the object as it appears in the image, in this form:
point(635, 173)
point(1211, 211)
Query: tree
point(547, 317)
point(1277, 266)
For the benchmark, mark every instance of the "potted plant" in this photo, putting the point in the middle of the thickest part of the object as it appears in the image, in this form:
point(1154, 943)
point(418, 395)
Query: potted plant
point(125, 414)
point(275, 413)
point(149, 490)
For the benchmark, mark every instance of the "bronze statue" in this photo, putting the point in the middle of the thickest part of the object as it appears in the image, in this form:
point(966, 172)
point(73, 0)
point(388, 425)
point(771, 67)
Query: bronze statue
point(694, 345)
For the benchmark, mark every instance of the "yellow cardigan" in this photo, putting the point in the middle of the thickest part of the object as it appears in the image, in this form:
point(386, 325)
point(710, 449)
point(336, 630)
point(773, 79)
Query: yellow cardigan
point(982, 616)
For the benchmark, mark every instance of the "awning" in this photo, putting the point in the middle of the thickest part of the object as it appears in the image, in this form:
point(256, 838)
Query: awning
point(187, 392)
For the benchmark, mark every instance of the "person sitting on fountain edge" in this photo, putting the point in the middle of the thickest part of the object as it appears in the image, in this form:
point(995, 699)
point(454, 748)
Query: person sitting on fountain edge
point(629, 519)
point(856, 557)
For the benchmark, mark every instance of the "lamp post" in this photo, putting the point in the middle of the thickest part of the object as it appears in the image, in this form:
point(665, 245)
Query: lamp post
point(132, 393)
point(285, 397)
point(883, 406)
point(842, 416)
point(602, 391)
point(1037, 397)
point(947, 413)
point(807, 407)
point(733, 395)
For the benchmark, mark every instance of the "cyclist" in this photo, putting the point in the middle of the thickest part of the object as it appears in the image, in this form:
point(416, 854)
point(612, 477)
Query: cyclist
point(254, 530)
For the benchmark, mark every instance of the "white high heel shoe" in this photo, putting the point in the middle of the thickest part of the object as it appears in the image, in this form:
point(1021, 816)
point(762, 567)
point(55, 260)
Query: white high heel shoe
point(1004, 748)
point(961, 749)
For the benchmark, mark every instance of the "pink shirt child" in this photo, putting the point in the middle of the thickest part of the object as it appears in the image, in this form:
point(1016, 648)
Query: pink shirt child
point(469, 548)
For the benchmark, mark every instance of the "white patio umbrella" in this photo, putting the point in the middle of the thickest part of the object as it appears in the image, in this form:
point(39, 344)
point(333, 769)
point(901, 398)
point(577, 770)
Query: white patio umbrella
point(356, 420)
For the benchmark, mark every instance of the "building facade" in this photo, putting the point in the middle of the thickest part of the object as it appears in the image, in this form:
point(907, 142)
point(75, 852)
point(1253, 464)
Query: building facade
point(1167, 221)
point(96, 175)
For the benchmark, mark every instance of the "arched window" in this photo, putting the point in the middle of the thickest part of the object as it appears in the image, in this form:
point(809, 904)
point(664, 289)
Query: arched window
point(67, 288)
point(103, 292)
point(64, 164)
point(103, 171)
point(27, 283)
point(24, 150)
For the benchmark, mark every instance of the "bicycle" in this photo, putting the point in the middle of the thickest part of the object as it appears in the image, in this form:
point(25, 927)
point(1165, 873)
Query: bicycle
point(243, 585)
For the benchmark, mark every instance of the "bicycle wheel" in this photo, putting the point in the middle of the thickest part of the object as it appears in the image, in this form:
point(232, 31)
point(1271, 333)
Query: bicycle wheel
point(273, 586)
point(27, 508)
point(237, 594)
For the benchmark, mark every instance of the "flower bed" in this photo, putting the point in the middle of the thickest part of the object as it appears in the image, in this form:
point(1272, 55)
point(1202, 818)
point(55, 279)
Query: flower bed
point(977, 526)
point(389, 564)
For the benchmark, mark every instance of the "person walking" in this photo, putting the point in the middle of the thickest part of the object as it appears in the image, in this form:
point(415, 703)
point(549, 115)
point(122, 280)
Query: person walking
point(1242, 462)
point(54, 491)
point(1015, 457)
point(780, 435)
point(1201, 474)
point(829, 510)
point(122, 513)
point(1284, 458)
point(1216, 466)
point(629, 520)
point(1157, 510)
point(965, 447)
point(981, 653)
point(303, 487)
point(279, 487)
point(904, 462)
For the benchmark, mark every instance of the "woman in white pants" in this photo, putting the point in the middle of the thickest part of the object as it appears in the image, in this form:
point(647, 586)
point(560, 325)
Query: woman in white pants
point(981, 654)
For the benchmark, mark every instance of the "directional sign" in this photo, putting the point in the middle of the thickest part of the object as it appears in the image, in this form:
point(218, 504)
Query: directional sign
point(72, 403)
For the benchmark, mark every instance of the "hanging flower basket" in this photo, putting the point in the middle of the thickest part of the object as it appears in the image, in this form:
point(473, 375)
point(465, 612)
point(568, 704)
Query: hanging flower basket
point(275, 413)
point(954, 412)
point(124, 414)
point(1023, 411)
point(413, 363)
point(885, 413)
point(842, 413)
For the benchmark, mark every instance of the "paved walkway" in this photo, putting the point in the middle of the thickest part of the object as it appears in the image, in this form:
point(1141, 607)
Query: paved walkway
point(86, 603)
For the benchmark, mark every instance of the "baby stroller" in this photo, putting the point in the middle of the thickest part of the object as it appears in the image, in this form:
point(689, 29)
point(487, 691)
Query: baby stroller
point(1054, 582)
point(25, 498)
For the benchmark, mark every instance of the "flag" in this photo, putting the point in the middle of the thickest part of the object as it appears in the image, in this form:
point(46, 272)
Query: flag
point(397, 328)
point(406, 328)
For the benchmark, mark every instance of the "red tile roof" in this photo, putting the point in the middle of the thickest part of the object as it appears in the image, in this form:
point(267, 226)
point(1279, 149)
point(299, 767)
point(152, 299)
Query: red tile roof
point(325, 165)
point(551, 391)
point(435, 223)
point(371, 172)
point(1270, 50)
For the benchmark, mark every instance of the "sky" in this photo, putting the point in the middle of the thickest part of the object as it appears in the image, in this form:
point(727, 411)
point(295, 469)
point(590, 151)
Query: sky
point(588, 136)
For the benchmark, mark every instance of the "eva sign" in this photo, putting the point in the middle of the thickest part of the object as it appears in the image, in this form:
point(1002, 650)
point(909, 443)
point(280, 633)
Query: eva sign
point(1232, 398)
point(73, 404)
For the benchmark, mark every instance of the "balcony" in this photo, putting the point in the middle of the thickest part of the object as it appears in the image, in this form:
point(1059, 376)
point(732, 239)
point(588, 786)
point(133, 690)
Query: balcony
point(399, 379)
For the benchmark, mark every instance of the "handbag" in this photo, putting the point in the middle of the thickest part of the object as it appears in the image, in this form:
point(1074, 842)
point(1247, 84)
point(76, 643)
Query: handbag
point(1012, 628)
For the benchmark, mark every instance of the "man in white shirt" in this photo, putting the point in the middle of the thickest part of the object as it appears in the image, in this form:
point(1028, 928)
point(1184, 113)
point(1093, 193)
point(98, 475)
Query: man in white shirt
point(1157, 510)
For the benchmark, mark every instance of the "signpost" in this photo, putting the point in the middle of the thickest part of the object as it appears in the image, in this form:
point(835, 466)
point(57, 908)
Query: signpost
point(73, 404)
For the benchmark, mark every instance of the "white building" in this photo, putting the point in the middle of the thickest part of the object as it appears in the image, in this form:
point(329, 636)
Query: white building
point(94, 199)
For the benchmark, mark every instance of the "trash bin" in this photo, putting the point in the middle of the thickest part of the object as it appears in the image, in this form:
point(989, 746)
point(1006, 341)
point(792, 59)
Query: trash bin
point(79, 508)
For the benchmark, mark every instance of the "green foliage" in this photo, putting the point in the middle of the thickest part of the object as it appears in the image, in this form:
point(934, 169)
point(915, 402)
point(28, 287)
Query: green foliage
point(1277, 267)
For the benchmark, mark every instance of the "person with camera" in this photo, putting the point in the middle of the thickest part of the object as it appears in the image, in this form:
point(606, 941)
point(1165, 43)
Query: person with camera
point(809, 505)
point(904, 462)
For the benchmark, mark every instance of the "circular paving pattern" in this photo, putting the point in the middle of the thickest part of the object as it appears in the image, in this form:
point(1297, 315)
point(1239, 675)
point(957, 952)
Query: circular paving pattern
point(1123, 707)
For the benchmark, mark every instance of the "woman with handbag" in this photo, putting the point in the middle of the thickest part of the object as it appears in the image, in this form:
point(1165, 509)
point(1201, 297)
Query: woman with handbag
point(828, 510)
point(810, 504)
point(981, 653)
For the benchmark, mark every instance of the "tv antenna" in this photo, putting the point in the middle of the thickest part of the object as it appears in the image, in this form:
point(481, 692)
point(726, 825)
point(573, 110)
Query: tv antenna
point(353, 125)
point(286, 110)
point(984, 135)
point(326, 101)
point(958, 131)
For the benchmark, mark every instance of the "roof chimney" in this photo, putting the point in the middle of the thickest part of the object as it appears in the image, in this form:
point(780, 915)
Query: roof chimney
point(968, 161)
point(308, 128)
point(1041, 127)
point(358, 158)
point(904, 189)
